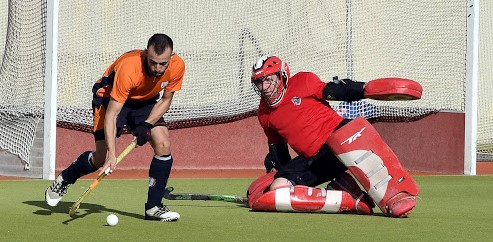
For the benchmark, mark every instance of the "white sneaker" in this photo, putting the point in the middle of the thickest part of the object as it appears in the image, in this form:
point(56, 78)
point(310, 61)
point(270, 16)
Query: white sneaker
point(55, 192)
point(162, 214)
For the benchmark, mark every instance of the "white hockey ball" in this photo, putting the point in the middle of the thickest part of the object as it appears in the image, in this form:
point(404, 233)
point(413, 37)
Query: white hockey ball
point(112, 220)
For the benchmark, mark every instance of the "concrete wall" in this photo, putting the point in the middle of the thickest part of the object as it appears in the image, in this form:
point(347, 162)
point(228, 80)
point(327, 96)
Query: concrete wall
point(432, 144)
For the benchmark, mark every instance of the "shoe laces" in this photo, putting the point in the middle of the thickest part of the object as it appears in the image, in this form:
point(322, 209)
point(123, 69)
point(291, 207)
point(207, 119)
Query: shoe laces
point(161, 210)
point(60, 188)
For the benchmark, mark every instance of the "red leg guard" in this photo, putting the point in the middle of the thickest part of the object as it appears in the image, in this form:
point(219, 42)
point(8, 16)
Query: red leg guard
point(259, 186)
point(307, 199)
point(371, 161)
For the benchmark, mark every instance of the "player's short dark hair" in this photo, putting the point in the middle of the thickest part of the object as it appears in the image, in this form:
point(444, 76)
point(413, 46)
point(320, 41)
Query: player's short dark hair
point(160, 42)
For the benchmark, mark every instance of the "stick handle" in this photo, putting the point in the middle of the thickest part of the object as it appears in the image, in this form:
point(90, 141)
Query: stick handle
point(125, 152)
point(120, 157)
point(96, 181)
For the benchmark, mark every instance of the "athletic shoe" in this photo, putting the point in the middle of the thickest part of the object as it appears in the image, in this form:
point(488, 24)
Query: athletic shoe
point(161, 213)
point(55, 192)
point(400, 205)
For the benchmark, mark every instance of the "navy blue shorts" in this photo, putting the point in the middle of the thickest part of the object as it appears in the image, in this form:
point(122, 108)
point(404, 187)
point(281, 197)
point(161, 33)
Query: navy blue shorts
point(313, 171)
point(132, 113)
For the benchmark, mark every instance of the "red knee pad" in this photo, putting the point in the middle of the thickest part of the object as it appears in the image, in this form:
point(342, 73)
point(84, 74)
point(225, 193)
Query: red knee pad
point(371, 161)
point(259, 186)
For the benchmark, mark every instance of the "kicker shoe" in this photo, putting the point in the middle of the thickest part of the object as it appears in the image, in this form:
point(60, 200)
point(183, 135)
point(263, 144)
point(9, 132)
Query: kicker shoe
point(55, 192)
point(161, 213)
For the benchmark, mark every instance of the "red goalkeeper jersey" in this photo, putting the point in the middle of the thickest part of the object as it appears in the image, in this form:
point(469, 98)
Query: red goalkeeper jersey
point(303, 118)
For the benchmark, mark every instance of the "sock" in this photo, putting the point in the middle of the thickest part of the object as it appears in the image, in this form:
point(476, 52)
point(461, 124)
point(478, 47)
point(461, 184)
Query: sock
point(158, 178)
point(80, 167)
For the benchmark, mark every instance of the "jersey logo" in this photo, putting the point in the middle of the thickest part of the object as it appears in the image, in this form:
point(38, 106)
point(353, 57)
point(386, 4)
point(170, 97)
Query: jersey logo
point(354, 137)
point(296, 100)
point(164, 84)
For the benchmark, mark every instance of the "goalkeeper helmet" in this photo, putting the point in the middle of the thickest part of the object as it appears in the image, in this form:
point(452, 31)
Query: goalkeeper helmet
point(270, 77)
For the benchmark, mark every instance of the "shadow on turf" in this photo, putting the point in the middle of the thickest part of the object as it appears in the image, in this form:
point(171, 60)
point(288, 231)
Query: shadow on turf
point(87, 209)
point(84, 210)
point(210, 205)
point(375, 214)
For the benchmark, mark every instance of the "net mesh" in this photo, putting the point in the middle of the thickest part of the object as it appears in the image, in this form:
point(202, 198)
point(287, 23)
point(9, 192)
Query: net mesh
point(220, 40)
point(346, 38)
point(21, 74)
point(485, 99)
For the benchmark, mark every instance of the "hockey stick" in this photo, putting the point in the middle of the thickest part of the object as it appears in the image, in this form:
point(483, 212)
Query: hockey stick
point(120, 157)
point(205, 197)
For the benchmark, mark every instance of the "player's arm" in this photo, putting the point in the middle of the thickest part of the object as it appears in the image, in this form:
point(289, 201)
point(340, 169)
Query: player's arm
point(387, 89)
point(278, 148)
point(160, 108)
point(143, 131)
point(278, 155)
point(110, 116)
point(344, 90)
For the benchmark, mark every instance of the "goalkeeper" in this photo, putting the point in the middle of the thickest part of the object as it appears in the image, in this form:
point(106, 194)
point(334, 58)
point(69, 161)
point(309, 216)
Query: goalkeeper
point(128, 96)
point(294, 111)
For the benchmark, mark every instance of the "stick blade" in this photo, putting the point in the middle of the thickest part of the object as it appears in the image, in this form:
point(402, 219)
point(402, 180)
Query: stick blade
point(73, 210)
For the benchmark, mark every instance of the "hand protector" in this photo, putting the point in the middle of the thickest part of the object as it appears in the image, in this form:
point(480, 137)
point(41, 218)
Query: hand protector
point(269, 164)
point(343, 90)
point(393, 89)
point(278, 155)
point(143, 133)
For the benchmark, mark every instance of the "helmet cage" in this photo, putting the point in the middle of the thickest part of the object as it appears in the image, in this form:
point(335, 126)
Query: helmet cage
point(266, 66)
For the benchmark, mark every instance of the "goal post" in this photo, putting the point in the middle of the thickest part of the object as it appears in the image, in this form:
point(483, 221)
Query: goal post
point(51, 71)
point(472, 78)
point(69, 43)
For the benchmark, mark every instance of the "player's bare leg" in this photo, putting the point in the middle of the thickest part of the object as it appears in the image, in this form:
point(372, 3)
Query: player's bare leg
point(280, 182)
point(99, 156)
point(159, 172)
point(86, 163)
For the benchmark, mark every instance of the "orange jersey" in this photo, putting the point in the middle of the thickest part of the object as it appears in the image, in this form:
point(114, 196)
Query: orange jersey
point(126, 78)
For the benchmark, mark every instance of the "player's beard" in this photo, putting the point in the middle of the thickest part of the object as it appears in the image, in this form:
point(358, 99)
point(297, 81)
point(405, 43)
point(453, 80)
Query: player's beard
point(148, 70)
point(157, 73)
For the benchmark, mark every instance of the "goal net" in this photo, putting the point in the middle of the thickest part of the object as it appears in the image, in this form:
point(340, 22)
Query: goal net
point(485, 99)
point(219, 41)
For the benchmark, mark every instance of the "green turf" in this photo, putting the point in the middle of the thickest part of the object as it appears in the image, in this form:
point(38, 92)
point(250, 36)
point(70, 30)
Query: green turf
point(450, 208)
